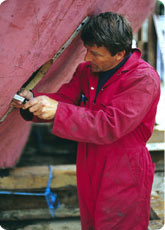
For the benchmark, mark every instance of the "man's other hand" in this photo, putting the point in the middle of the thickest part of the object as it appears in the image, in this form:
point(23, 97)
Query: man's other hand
point(23, 93)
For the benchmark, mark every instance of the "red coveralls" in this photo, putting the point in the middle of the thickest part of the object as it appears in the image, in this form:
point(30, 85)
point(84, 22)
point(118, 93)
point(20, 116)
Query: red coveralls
point(114, 167)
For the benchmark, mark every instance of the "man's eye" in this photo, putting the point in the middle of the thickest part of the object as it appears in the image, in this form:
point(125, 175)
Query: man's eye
point(94, 54)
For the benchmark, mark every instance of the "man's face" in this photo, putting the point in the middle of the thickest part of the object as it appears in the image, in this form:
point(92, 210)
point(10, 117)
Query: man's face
point(100, 58)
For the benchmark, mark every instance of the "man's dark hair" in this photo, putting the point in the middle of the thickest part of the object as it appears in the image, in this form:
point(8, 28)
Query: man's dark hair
point(110, 30)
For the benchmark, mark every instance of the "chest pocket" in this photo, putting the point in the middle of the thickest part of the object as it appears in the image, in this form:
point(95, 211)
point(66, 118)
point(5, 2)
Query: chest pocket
point(84, 100)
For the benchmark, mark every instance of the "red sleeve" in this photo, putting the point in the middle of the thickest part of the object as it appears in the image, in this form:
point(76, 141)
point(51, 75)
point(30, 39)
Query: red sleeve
point(109, 122)
point(68, 93)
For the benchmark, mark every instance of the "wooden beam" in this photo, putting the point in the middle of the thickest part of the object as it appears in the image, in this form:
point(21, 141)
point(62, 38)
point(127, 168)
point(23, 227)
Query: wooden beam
point(140, 40)
point(63, 183)
point(35, 180)
point(157, 207)
point(158, 135)
point(151, 42)
point(159, 28)
point(56, 224)
point(26, 178)
point(155, 225)
point(38, 214)
point(69, 224)
point(67, 196)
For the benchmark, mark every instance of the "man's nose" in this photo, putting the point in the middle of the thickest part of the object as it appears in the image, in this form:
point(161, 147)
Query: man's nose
point(87, 57)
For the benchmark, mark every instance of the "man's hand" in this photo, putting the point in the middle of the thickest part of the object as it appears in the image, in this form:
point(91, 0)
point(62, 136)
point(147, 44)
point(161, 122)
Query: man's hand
point(24, 93)
point(43, 107)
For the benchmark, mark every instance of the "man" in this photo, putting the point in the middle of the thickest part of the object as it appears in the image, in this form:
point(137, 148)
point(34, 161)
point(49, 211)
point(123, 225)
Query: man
point(109, 107)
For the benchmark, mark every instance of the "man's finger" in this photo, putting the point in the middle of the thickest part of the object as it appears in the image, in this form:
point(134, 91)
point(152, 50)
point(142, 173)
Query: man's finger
point(43, 116)
point(36, 108)
point(25, 93)
point(16, 104)
point(30, 103)
point(38, 114)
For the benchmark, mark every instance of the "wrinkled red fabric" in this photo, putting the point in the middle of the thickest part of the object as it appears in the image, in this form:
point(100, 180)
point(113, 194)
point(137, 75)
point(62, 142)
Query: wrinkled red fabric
point(114, 168)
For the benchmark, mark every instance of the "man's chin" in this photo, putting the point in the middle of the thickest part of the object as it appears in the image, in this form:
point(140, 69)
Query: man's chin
point(94, 69)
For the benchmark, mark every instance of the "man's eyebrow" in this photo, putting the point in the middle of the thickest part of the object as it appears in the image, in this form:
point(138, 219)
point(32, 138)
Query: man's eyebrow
point(94, 52)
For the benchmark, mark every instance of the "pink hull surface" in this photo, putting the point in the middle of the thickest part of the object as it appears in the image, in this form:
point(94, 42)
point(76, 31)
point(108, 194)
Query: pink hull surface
point(31, 33)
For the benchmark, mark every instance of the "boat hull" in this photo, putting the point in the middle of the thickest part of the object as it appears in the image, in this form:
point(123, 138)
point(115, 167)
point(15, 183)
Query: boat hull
point(31, 33)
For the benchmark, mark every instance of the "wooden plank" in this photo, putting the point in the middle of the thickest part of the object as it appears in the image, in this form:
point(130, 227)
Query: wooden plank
point(67, 197)
point(155, 225)
point(71, 224)
point(156, 146)
point(159, 26)
point(157, 136)
point(37, 177)
point(40, 214)
point(157, 207)
point(140, 40)
point(151, 52)
point(57, 224)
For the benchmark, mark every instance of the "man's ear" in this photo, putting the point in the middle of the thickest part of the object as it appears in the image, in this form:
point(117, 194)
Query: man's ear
point(120, 55)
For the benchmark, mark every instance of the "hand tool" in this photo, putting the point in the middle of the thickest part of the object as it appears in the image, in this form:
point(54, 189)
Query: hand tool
point(20, 98)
